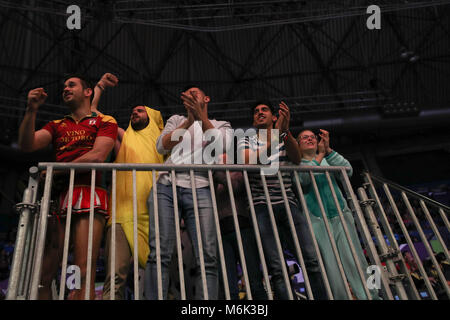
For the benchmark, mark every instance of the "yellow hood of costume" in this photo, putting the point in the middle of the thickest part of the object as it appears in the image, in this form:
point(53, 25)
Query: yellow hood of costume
point(137, 147)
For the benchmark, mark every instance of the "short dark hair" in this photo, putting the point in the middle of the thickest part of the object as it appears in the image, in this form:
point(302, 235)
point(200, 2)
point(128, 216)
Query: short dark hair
point(264, 102)
point(193, 85)
point(85, 82)
point(137, 105)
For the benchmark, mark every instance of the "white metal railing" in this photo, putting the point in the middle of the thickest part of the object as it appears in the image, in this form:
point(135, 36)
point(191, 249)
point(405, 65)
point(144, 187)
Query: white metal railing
point(28, 256)
point(390, 252)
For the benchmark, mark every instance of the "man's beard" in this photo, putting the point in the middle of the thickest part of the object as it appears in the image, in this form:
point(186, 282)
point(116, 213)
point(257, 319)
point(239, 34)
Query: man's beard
point(72, 104)
point(141, 124)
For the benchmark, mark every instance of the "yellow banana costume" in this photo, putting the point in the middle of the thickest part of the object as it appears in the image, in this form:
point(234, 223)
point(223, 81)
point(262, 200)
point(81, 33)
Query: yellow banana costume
point(137, 147)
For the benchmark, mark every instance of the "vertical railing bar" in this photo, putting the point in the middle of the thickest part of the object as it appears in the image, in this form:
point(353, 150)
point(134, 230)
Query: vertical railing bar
point(238, 237)
point(90, 237)
point(112, 281)
point(199, 236)
point(347, 235)
point(17, 263)
point(219, 238)
point(405, 232)
point(382, 214)
point(62, 284)
point(444, 218)
point(364, 229)
point(393, 245)
point(33, 184)
point(295, 238)
point(413, 249)
point(32, 255)
point(31, 252)
point(441, 241)
point(277, 238)
point(311, 231)
point(178, 236)
point(330, 235)
point(258, 237)
point(135, 240)
point(37, 266)
point(372, 252)
point(25, 260)
point(157, 237)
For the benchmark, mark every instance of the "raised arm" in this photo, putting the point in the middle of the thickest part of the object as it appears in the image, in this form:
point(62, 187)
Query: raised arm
point(333, 158)
point(118, 142)
point(282, 124)
point(320, 151)
point(107, 80)
point(165, 143)
point(29, 139)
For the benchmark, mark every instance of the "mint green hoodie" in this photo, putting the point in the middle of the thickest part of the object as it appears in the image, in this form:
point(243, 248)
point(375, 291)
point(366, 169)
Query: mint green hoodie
point(333, 159)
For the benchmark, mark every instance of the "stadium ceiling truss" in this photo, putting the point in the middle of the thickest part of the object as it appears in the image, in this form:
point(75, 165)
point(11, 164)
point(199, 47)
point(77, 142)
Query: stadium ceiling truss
point(318, 56)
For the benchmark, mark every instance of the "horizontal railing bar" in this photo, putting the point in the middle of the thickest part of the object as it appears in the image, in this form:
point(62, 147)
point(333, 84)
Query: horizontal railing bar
point(409, 192)
point(181, 167)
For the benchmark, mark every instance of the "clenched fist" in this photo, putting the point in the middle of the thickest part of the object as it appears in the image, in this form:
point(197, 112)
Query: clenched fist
point(36, 98)
point(108, 80)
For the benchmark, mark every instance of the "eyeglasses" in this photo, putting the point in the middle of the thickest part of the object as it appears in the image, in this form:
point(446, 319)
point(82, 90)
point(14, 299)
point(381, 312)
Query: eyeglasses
point(313, 137)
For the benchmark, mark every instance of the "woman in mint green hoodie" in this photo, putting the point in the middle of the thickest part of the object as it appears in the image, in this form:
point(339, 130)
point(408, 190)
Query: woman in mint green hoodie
point(320, 154)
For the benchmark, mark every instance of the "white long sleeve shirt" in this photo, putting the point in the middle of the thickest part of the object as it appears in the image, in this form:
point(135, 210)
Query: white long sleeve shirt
point(190, 150)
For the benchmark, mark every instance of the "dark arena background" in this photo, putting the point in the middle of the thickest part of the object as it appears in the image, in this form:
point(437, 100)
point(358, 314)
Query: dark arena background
point(382, 93)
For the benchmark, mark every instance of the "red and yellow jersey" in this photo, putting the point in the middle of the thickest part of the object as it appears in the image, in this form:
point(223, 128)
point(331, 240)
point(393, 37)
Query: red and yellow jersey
point(72, 139)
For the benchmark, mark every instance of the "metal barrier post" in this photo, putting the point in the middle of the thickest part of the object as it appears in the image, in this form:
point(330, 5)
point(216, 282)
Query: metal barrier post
point(258, 236)
point(178, 236)
point(30, 242)
point(199, 236)
point(311, 230)
point(295, 237)
point(112, 282)
point(30, 248)
point(19, 262)
point(412, 288)
point(434, 228)
point(90, 238)
point(238, 237)
point(427, 247)
point(157, 238)
point(41, 234)
point(219, 237)
point(277, 238)
point(444, 218)
point(135, 240)
point(330, 235)
point(363, 228)
point(385, 252)
point(62, 284)
point(347, 235)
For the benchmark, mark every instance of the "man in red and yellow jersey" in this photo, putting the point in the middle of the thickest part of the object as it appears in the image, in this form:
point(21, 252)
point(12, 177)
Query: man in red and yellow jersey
point(81, 136)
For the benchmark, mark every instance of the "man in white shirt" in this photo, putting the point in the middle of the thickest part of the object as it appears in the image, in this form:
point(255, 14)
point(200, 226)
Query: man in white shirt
point(185, 139)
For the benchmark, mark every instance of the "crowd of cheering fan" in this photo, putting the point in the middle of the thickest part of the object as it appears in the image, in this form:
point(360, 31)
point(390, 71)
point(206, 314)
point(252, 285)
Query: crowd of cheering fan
point(88, 135)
